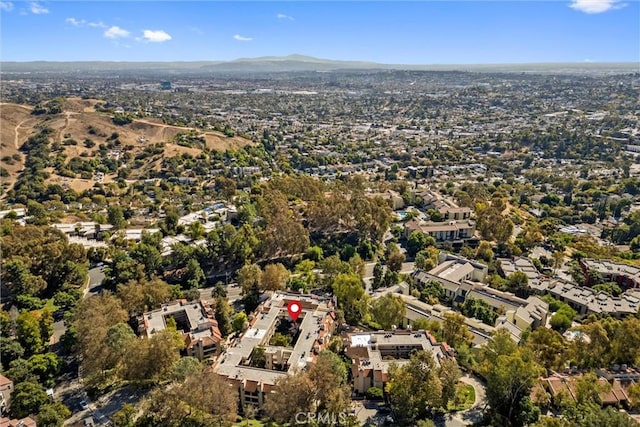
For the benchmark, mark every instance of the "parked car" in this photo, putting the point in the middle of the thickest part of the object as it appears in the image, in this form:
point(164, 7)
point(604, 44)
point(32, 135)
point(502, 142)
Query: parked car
point(384, 410)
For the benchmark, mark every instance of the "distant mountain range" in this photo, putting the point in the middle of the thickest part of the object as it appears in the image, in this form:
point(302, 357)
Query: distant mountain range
point(296, 63)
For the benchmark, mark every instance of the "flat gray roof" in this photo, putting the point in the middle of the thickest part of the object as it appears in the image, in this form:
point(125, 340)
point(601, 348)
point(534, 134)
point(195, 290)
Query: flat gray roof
point(230, 363)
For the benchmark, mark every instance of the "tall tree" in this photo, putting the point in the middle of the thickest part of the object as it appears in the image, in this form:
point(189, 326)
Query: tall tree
point(351, 296)
point(53, 415)
point(249, 277)
point(291, 395)
point(414, 389)
point(138, 297)
point(394, 261)
point(27, 398)
point(115, 216)
point(29, 334)
point(510, 373)
point(449, 374)
point(203, 399)
point(92, 319)
point(454, 330)
point(274, 277)
point(223, 316)
point(194, 277)
point(388, 311)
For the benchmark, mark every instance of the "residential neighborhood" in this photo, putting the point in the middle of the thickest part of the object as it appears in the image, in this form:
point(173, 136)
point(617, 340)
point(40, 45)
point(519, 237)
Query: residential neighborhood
point(461, 245)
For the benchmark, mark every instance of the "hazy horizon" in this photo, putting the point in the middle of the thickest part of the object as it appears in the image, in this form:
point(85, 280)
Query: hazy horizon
point(297, 56)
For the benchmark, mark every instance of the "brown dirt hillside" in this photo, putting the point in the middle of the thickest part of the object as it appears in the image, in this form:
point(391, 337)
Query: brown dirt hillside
point(16, 124)
point(80, 121)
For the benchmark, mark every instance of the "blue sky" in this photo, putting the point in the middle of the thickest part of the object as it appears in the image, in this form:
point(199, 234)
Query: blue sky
point(418, 32)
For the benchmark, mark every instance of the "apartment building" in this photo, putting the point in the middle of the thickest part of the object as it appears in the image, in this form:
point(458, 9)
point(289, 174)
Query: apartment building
point(23, 422)
point(625, 275)
point(586, 301)
point(446, 207)
point(372, 353)
point(450, 231)
point(462, 278)
point(195, 320)
point(508, 266)
point(313, 330)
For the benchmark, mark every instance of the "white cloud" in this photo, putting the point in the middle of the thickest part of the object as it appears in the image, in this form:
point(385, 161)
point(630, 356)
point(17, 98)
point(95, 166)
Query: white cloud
point(156, 36)
point(75, 22)
point(38, 9)
point(242, 38)
point(596, 6)
point(283, 16)
point(83, 23)
point(7, 6)
point(116, 32)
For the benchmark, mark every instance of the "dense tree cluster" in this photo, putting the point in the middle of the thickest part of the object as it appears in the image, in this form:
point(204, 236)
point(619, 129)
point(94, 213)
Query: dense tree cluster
point(419, 388)
point(39, 261)
point(321, 389)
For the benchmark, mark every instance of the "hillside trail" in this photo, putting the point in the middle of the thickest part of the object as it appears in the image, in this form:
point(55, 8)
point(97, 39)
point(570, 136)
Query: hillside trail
point(16, 136)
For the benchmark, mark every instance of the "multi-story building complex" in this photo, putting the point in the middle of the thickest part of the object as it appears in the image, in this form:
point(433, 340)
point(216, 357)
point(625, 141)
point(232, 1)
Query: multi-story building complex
point(194, 319)
point(253, 365)
point(450, 231)
point(625, 275)
point(372, 353)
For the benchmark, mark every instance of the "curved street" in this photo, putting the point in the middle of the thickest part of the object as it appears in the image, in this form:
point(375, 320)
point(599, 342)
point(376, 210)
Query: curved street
point(474, 414)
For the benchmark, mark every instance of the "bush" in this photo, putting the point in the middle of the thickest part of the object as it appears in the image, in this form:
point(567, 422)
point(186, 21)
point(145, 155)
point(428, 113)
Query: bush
point(374, 393)
point(560, 322)
point(122, 119)
point(29, 302)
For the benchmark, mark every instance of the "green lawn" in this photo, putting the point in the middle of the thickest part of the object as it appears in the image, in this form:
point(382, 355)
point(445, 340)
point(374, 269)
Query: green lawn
point(465, 398)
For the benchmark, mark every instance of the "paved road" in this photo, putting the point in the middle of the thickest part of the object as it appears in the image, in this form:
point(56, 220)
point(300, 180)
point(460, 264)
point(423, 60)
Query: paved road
point(473, 415)
point(233, 293)
point(70, 391)
point(96, 276)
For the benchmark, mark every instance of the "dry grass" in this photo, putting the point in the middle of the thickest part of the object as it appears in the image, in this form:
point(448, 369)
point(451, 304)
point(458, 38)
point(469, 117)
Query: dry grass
point(78, 117)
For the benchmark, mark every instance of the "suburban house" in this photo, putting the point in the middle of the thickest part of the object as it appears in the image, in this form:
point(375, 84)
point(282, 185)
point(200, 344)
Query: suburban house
point(195, 320)
point(372, 353)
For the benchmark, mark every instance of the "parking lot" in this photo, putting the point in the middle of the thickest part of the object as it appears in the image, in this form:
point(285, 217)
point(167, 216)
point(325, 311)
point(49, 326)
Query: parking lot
point(370, 413)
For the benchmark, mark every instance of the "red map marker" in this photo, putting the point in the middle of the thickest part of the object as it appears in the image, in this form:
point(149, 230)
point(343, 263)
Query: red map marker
point(294, 308)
